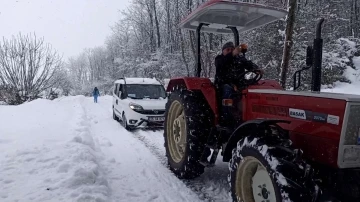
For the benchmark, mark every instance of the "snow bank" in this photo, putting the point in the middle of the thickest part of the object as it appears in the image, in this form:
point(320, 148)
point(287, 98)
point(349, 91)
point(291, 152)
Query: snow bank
point(345, 88)
point(48, 154)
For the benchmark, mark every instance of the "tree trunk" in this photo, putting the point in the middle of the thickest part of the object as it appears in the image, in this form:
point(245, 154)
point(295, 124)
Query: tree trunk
point(211, 41)
point(354, 19)
point(152, 38)
point(168, 25)
point(157, 24)
point(290, 22)
point(183, 54)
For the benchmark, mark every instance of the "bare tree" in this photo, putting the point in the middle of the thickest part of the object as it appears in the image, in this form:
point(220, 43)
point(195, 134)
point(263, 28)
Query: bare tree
point(28, 65)
point(157, 24)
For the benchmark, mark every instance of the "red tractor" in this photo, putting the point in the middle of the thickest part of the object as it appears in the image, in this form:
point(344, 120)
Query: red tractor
point(286, 146)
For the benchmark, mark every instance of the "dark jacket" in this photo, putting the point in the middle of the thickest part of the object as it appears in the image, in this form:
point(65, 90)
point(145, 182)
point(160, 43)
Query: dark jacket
point(96, 92)
point(229, 68)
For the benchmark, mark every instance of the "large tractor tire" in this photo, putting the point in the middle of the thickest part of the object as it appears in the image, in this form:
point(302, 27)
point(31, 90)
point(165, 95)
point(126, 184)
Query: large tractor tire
point(265, 169)
point(188, 121)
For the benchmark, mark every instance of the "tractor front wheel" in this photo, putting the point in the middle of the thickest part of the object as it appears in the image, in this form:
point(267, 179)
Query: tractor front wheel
point(262, 170)
point(187, 125)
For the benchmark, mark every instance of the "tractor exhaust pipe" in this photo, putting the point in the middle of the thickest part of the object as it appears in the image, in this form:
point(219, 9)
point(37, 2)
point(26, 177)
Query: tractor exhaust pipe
point(318, 48)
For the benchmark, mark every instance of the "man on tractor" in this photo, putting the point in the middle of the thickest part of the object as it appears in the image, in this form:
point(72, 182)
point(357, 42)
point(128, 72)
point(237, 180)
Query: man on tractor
point(229, 78)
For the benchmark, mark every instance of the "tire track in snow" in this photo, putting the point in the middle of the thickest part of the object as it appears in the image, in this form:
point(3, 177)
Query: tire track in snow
point(134, 173)
point(206, 192)
point(90, 173)
point(152, 147)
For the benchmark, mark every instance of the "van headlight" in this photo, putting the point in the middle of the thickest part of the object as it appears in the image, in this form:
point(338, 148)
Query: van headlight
point(136, 107)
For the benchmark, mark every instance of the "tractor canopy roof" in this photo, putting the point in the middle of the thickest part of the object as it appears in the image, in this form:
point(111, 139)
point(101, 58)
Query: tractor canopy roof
point(220, 14)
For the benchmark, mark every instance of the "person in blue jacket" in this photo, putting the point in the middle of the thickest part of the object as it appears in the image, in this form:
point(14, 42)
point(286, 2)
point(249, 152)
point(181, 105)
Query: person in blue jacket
point(96, 94)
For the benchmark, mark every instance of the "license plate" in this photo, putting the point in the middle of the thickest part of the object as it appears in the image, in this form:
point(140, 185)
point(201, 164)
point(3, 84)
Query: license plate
point(157, 118)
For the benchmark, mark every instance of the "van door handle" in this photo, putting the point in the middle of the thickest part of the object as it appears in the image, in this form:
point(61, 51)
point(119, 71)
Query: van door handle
point(117, 101)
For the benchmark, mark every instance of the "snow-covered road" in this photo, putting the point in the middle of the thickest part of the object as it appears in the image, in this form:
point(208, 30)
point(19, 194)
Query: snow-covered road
point(71, 149)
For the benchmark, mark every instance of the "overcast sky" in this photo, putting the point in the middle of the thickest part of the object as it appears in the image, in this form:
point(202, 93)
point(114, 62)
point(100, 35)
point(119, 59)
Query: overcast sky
point(68, 25)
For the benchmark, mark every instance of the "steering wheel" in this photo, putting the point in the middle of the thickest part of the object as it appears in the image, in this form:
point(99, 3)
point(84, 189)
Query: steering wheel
point(252, 81)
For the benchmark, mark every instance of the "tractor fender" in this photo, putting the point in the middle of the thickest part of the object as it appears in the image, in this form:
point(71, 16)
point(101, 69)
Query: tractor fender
point(253, 127)
point(196, 84)
point(190, 83)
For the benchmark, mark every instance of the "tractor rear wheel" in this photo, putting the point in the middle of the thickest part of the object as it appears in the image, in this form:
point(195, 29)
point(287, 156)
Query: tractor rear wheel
point(262, 170)
point(188, 121)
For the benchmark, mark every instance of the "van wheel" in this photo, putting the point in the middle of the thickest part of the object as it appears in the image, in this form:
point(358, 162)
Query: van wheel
point(114, 116)
point(124, 123)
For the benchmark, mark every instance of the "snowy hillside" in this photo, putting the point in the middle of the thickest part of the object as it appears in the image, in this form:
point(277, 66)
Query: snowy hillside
point(345, 88)
point(70, 149)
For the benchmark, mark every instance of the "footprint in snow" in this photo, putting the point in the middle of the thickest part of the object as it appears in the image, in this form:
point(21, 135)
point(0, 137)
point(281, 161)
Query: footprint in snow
point(64, 168)
point(106, 143)
point(29, 159)
point(8, 168)
point(77, 139)
point(8, 181)
point(152, 198)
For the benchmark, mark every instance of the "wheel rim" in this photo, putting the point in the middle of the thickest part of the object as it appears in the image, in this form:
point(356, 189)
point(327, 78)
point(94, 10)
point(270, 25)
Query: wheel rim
point(176, 131)
point(253, 182)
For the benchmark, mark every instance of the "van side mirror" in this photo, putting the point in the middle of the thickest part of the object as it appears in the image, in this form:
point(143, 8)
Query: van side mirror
point(309, 56)
point(122, 96)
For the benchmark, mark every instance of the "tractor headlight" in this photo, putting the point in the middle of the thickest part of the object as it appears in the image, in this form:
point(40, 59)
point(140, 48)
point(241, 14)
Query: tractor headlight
point(136, 107)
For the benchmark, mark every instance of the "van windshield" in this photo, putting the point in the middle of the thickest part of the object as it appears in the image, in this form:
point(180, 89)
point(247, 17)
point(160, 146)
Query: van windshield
point(143, 91)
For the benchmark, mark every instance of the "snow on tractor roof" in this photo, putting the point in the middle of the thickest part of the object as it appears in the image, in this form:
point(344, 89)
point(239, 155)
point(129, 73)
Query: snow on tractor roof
point(138, 81)
point(220, 14)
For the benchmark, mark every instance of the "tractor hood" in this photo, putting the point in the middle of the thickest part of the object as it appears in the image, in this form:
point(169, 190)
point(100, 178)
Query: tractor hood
point(218, 15)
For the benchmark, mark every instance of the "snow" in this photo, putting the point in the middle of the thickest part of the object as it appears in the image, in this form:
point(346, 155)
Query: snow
point(356, 61)
point(210, 186)
point(152, 81)
point(70, 149)
point(344, 88)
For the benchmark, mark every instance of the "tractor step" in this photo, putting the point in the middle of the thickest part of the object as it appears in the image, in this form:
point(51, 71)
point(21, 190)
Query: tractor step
point(213, 158)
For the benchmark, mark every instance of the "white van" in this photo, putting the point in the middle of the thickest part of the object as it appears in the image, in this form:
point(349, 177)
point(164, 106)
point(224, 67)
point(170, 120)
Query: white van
point(139, 103)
